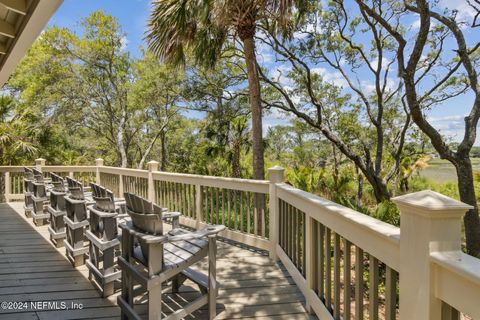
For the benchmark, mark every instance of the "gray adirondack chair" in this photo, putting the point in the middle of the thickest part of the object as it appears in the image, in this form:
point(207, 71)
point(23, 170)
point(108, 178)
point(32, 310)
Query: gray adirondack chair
point(57, 210)
point(40, 199)
point(162, 258)
point(28, 191)
point(103, 236)
point(76, 222)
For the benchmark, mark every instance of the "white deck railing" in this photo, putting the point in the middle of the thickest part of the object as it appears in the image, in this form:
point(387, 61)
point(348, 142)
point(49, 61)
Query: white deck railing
point(348, 265)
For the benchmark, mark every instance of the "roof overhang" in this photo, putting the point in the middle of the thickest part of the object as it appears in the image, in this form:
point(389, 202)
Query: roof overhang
point(21, 22)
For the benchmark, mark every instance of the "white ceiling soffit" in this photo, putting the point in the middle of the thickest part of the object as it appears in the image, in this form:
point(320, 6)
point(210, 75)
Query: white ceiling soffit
point(21, 22)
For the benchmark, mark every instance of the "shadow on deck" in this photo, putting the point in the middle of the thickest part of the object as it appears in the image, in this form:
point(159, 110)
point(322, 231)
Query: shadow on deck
point(33, 270)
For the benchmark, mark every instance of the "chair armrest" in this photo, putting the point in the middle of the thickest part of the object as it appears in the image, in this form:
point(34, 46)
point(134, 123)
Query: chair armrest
point(175, 216)
point(141, 235)
point(171, 215)
point(181, 235)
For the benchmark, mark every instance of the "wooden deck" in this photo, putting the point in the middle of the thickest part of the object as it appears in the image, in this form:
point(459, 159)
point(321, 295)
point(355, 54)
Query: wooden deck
point(31, 269)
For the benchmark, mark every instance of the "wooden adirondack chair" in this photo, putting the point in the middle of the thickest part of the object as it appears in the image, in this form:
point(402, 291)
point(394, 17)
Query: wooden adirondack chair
point(28, 191)
point(76, 221)
point(57, 210)
point(161, 258)
point(40, 199)
point(103, 236)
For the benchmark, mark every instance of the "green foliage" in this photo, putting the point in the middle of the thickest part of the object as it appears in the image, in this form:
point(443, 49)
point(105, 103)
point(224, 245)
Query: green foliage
point(388, 212)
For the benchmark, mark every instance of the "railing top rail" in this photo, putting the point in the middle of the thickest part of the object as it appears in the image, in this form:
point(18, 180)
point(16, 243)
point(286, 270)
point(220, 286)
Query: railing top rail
point(258, 186)
point(50, 168)
point(12, 168)
point(124, 171)
point(68, 168)
point(380, 239)
point(460, 263)
point(457, 281)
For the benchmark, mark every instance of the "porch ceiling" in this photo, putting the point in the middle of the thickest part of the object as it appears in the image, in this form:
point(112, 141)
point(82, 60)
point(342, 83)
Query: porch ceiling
point(21, 22)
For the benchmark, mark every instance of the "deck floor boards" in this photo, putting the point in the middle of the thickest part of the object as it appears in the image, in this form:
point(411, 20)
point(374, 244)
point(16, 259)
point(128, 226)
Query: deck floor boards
point(32, 269)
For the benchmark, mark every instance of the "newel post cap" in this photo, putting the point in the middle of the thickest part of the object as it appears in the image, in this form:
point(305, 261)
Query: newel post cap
point(153, 165)
point(431, 204)
point(99, 162)
point(276, 174)
point(40, 161)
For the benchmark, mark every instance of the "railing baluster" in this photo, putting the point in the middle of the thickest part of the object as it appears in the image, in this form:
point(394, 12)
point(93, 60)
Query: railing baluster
point(229, 196)
point(358, 283)
point(223, 206)
point(249, 219)
point(304, 244)
point(321, 261)
point(241, 211)
point(328, 269)
point(212, 204)
point(217, 206)
point(373, 290)
point(449, 312)
point(336, 276)
point(390, 294)
point(347, 287)
point(235, 212)
point(294, 235)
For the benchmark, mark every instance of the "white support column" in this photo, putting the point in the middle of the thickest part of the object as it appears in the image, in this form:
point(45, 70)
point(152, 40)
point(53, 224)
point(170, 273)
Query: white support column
point(152, 166)
point(39, 163)
point(7, 186)
point(120, 185)
point(98, 164)
point(276, 175)
point(430, 222)
point(198, 205)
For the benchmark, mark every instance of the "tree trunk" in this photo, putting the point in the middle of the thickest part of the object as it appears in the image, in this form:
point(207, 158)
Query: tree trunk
point(147, 151)
point(257, 139)
point(256, 108)
point(380, 188)
point(360, 187)
point(236, 159)
point(121, 149)
point(163, 147)
point(467, 195)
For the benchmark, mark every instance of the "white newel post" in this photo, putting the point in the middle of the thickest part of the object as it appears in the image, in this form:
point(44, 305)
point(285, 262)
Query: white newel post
point(198, 205)
point(430, 222)
point(152, 166)
point(276, 175)
point(98, 164)
point(7, 186)
point(39, 163)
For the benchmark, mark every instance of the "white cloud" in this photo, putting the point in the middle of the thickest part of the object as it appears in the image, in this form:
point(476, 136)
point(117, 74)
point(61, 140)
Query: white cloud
point(385, 63)
point(124, 43)
point(416, 24)
point(280, 74)
point(330, 76)
point(464, 11)
point(447, 118)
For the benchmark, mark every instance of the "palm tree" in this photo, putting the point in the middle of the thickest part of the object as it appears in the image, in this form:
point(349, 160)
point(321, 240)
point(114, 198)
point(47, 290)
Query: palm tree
point(203, 26)
point(229, 136)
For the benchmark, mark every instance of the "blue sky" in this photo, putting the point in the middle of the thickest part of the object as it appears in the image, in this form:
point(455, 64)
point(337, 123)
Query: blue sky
point(133, 14)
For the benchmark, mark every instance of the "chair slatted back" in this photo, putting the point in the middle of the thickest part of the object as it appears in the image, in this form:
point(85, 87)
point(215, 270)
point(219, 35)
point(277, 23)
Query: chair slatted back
point(39, 189)
point(146, 215)
point(76, 189)
point(38, 175)
point(102, 223)
point(28, 180)
point(76, 212)
point(57, 195)
point(104, 199)
point(58, 182)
